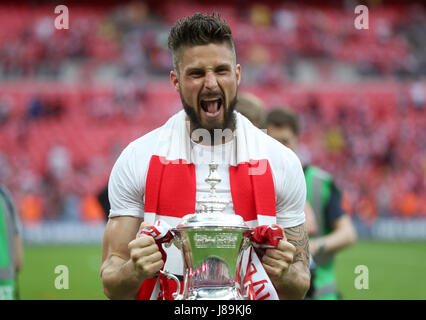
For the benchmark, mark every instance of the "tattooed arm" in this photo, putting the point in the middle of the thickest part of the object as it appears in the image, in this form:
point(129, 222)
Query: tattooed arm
point(288, 264)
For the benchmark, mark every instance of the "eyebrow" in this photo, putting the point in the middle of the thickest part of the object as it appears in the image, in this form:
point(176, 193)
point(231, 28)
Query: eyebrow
point(192, 69)
point(226, 66)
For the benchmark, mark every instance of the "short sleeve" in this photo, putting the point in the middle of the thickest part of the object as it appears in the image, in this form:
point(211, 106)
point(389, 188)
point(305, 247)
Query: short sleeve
point(290, 191)
point(125, 187)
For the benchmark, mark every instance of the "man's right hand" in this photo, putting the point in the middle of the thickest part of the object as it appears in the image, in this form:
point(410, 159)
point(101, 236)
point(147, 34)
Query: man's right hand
point(145, 254)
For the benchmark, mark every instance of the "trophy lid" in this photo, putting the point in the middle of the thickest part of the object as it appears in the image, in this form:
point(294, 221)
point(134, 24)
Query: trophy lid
point(221, 220)
point(212, 203)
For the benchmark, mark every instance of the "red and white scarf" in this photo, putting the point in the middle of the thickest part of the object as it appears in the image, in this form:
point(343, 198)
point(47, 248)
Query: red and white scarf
point(171, 186)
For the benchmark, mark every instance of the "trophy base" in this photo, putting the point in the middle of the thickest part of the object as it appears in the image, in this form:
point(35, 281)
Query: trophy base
point(215, 293)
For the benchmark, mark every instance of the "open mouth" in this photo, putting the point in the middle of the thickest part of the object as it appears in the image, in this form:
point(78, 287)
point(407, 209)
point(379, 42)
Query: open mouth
point(211, 106)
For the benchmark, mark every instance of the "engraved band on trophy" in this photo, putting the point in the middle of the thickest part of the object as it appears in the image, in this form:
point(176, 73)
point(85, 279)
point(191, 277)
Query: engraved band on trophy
point(212, 244)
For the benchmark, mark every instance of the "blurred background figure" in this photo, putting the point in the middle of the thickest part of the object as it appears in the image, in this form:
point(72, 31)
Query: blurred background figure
point(252, 108)
point(334, 228)
point(11, 251)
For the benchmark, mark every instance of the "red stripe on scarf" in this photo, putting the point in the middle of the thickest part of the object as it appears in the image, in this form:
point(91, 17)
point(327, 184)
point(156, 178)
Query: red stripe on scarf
point(146, 289)
point(170, 187)
point(252, 190)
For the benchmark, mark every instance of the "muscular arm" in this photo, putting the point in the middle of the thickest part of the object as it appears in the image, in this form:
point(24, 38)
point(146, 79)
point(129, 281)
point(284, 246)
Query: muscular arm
point(119, 277)
point(294, 283)
point(127, 260)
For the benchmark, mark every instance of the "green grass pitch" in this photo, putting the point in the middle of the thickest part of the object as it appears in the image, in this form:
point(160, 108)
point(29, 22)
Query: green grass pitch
point(395, 271)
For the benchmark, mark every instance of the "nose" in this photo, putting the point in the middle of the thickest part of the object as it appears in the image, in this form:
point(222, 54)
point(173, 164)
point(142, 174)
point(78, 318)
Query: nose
point(210, 82)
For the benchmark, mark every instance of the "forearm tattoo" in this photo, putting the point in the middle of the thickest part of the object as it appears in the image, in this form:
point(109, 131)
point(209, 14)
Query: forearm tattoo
point(298, 237)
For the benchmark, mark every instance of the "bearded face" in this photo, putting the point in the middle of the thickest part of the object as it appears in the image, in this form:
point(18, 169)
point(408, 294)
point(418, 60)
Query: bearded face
point(207, 83)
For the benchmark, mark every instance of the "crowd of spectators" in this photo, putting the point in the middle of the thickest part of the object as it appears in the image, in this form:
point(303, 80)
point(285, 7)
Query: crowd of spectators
point(274, 40)
point(58, 143)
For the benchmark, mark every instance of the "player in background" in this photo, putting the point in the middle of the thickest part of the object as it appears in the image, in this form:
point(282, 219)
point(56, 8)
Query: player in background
point(332, 230)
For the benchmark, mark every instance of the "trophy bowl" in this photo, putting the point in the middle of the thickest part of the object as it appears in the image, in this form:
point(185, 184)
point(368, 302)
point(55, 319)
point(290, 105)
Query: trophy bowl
point(211, 245)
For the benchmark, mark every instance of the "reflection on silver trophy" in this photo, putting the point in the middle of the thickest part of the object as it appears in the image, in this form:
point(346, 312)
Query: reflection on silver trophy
point(212, 244)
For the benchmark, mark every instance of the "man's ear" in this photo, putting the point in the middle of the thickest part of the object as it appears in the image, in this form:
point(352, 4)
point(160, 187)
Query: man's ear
point(238, 73)
point(174, 79)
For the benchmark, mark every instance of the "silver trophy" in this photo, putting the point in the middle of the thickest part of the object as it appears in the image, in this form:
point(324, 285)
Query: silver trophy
point(212, 244)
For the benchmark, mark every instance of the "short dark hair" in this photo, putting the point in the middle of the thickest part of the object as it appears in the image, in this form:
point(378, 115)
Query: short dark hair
point(284, 118)
point(198, 29)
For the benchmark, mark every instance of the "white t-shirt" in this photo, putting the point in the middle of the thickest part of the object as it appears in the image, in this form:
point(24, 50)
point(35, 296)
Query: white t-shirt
point(128, 177)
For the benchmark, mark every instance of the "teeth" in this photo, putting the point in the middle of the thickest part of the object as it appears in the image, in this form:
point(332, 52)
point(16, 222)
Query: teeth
point(213, 114)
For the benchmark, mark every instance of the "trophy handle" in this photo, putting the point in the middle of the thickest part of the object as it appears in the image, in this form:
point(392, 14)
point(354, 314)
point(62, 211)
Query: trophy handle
point(171, 276)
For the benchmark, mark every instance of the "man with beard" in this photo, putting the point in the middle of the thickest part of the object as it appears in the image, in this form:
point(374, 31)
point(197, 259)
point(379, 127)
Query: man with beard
point(159, 176)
